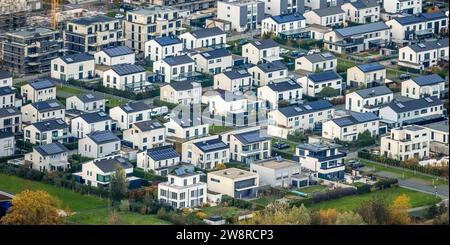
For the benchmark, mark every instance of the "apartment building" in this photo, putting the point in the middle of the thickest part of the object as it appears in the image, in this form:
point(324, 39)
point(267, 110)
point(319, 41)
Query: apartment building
point(318, 4)
point(424, 86)
point(145, 135)
point(92, 34)
point(38, 91)
point(184, 92)
point(242, 14)
point(187, 5)
point(234, 182)
point(366, 75)
point(362, 11)
point(423, 55)
point(329, 17)
point(406, 142)
point(75, 66)
point(369, 99)
point(281, 7)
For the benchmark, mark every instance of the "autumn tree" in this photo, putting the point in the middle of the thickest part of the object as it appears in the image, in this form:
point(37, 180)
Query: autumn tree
point(34, 208)
point(398, 211)
point(118, 185)
point(220, 166)
point(280, 214)
point(324, 217)
point(374, 211)
point(349, 218)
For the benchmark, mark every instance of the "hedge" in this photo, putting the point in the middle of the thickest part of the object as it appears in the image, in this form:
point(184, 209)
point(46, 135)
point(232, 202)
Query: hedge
point(386, 183)
point(363, 188)
point(148, 176)
point(237, 202)
point(333, 194)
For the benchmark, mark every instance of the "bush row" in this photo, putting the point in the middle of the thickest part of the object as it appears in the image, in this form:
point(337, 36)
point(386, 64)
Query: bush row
point(333, 194)
point(236, 202)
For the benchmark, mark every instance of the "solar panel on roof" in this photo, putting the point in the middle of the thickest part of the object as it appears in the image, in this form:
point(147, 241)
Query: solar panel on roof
point(102, 114)
point(343, 121)
point(213, 146)
point(422, 45)
point(157, 124)
point(400, 105)
point(206, 54)
point(89, 96)
point(10, 110)
point(428, 99)
point(308, 107)
point(69, 59)
point(297, 109)
point(53, 104)
point(121, 160)
point(326, 55)
point(51, 148)
point(59, 121)
point(242, 72)
point(291, 82)
point(127, 108)
point(257, 42)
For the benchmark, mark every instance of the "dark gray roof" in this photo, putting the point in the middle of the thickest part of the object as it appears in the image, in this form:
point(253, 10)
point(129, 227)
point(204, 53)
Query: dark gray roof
point(50, 125)
point(178, 60)
point(48, 105)
point(126, 69)
point(148, 125)
point(433, 15)
point(110, 165)
point(415, 104)
point(6, 134)
point(43, 84)
point(92, 20)
point(5, 74)
point(320, 57)
point(169, 40)
point(440, 126)
point(284, 86)
point(272, 66)
point(118, 51)
point(429, 45)
point(237, 74)
point(428, 80)
point(7, 90)
point(251, 137)
point(355, 118)
point(296, 110)
point(286, 18)
point(103, 137)
point(324, 76)
point(207, 32)
point(369, 67)
point(89, 97)
point(328, 11)
point(374, 91)
point(9, 111)
point(362, 4)
point(95, 117)
point(51, 149)
point(135, 106)
point(265, 44)
point(318, 146)
point(216, 53)
point(162, 153)
point(410, 19)
point(76, 58)
point(361, 29)
point(211, 145)
point(182, 85)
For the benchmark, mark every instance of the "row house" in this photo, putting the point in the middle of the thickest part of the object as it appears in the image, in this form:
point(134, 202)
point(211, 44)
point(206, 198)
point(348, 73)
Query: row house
point(38, 91)
point(73, 67)
point(423, 55)
point(183, 92)
point(88, 123)
point(348, 128)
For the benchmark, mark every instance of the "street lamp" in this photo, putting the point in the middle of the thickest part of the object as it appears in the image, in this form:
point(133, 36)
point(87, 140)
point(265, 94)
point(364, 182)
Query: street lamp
point(435, 190)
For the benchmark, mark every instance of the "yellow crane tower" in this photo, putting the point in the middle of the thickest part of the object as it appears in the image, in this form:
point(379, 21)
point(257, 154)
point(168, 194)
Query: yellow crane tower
point(55, 5)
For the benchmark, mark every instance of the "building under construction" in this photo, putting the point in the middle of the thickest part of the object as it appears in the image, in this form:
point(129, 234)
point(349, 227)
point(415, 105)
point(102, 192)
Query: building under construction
point(191, 5)
point(12, 14)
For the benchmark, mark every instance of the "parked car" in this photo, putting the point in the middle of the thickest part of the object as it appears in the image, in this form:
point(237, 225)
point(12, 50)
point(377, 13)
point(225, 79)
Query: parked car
point(284, 51)
point(404, 76)
point(376, 152)
point(394, 62)
point(313, 51)
point(281, 145)
point(355, 164)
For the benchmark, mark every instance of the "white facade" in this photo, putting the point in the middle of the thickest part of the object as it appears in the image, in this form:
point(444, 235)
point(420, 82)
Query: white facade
point(41, 161)
point(172, 93)
point(316, 62)
point(278, 7)
point(103, 58)
point(183, 191)
point(88, 147)
point(180, 69)
point(113, 79)
point(265, 73)
point(36, 94)
point(130, 113)
point(403, 6)
point(31, 114)
point(256, 54)
point(407, 142)
point(269, 25)
point(7, 97)
point(367, 14)
point(358, 76)
point(333, 130)
point(233, 81)
point(204, 38)
point(312, 88)
point(288, 91)
point(213, 62)
point(83, 125)
point(276, 173)
point(371, 103)
point(243, 15)
point(76, 103)
point(338, 18)
point(64, 68)
point(158, 49)
point(145, 135)
point(160, 165)
point(423, 55)
point(96, 176)
point(186, 130)
point(7, 144)
point(414, 90)
point(226, 182)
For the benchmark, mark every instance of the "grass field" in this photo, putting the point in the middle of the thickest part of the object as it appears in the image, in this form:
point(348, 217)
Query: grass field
point(418, 199)
point(225, 212)
point(101, 216)
point(69, 90)
point(214, 129)
point(312, 189)
point(113, 102)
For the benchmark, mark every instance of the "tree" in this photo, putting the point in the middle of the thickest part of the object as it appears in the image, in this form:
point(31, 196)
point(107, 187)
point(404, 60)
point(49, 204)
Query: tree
point(34, 208)
point(220, 166)
point(349, 218)
point(374, 211)
point(398, 211)
point(432, 212)
point(365, 139)
point(280, 214)
point(324, 217)
point(118, 185)
point(329, 92)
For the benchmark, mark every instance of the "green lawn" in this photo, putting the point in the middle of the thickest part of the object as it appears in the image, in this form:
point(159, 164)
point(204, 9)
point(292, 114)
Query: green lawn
point(71, 199)
point(214, 129)
point(69, 90)
point(312, 189)
point(266, 200)
point(343, 65)
point(225, 212)
point(101, 217)
point(113, 101)
point(418, 199)
point(407, 174)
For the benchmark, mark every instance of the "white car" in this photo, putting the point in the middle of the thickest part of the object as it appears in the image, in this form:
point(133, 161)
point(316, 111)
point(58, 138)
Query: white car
point(284, 51)
point(313, 51)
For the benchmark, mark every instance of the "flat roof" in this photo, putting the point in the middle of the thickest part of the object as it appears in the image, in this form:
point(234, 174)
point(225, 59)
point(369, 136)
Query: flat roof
point(233, 173)
point(277, 164)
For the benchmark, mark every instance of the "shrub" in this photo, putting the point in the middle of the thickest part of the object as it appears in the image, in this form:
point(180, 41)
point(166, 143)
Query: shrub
point(364, 188)
point(201, 215)
point(230, 201)
point(124, 206)
point(333, 194)
point(386, 183)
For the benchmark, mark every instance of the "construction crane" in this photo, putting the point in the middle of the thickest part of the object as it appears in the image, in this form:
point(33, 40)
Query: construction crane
point(55, 5)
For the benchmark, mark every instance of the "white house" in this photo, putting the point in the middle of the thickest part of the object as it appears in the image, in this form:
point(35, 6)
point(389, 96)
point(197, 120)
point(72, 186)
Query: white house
point(186, 128)
point(86, 103)
point(412, 111)
point(145, 135)
point(7, 97)
point(287, 92)
point(8, 144)
point(87, 123)
point(98, 172)
point(203, 38)
point(224, 103)
point(316, 62)
point(289, 119)
point(182, 92)
point(407, 142)
point(358, 38)
point(50, 157)
point(403, 6)
point(42, 110)
point(369, 99)
point(439, 137)
point(183, 189)
point(424, 86)
point(265, 73)
point(132, 112)
point(38, 91)
point(349, 127)
point(366, 75)
point(115, 56)
point(213, 62)
point(288, 25)
point(206, 153)
point(175, 68)
point(99, 144)
point(243, 15)
point(280, 173)
point(46, 132)
point(314, 83)
point(127, 77)
point(6, 79)
point(234, 182)
point(423, 55)
point(159, 159)
point(249, 146)
point(329, 16)
point(75, 66)
point(317, 4)
point(233, 80)
point(362, 11)
point(162, 47)
point(266, 50)
point(10, 119)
